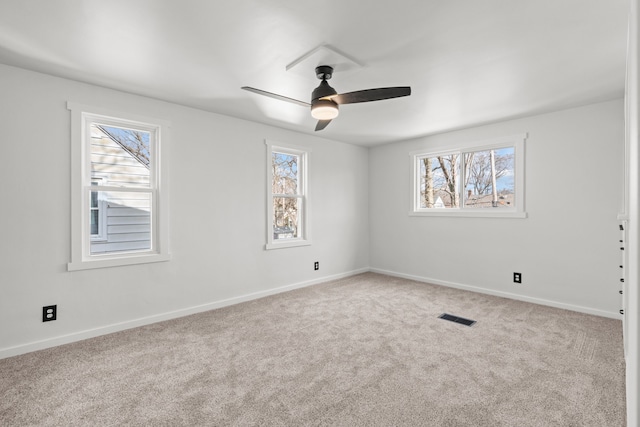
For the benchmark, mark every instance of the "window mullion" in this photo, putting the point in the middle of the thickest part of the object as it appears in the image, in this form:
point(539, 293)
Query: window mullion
point(121, 188)
point(462, 183)
point(287, 195)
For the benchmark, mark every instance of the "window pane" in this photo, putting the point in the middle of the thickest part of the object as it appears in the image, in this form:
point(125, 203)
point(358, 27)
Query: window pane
point(285, 173)
point(127, 227)
point(439, 181)
point(94, 199)
point(121, 154)
point(489, 178)
point(95, 218)
point(285, 217)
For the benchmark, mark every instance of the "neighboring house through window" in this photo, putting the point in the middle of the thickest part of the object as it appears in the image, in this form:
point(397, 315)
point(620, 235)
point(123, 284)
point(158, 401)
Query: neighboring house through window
point(119, 208)
point(287, 198)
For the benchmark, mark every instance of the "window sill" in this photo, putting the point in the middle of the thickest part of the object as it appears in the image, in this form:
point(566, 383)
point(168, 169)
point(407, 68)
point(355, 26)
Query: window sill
point(469, 214)
point(287, 244)
point(117, 261)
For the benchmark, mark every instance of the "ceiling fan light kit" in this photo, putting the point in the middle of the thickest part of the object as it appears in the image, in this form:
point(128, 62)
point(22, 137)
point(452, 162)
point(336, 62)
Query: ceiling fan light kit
point(324, 109)
point(325, 100)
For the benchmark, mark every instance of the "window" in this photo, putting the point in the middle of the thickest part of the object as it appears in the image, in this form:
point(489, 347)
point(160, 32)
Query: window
point(119, 208)
point(481, 179)
point(287, 199)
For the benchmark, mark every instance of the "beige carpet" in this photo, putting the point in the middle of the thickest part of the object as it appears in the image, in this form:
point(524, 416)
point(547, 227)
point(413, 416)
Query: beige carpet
point(367, 350)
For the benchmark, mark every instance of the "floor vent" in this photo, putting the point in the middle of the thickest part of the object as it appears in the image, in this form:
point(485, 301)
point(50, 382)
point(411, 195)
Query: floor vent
point(457, 319)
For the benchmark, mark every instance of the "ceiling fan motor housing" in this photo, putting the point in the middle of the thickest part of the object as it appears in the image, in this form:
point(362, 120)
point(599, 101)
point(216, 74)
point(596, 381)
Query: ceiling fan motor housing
point(324, 73)
point(323, 91)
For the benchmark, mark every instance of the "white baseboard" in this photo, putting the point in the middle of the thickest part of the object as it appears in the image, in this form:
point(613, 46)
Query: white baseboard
point(116, 327)
point(578, 308)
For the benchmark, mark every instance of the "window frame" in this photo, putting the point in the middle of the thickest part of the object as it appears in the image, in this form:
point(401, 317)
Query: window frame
point(82, 116)
point(304, 238)
point(518, 211)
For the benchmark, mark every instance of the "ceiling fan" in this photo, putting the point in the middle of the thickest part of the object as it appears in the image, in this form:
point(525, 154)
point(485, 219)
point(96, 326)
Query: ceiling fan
point(325, 100)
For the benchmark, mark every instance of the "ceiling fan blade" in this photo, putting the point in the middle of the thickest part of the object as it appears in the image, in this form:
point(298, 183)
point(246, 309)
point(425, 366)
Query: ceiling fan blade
point(322, 124)
point(371, 95)
point(276, 96)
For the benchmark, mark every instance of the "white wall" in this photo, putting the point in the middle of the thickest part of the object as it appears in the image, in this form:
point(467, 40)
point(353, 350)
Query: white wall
point(567, 249)
point(217, 217)
point(632, 313)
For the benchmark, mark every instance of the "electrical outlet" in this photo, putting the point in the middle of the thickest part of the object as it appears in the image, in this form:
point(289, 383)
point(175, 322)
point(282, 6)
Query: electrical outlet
point(49, 313)
point(316, 265)
point(517, 277)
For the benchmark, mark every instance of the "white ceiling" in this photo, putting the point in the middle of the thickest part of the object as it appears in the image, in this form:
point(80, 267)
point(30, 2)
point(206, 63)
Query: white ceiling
point(468, 62)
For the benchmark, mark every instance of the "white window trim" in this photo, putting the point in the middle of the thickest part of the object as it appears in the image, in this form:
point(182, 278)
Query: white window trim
point(304, 230)
point(80, 191)
point(516, 141)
